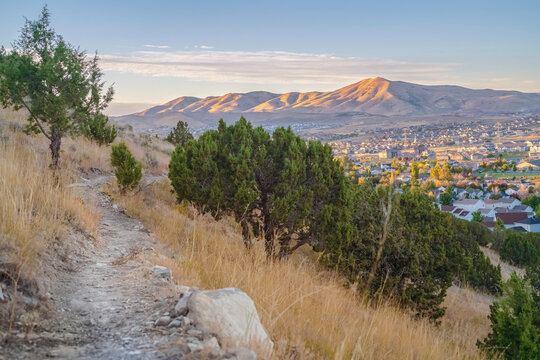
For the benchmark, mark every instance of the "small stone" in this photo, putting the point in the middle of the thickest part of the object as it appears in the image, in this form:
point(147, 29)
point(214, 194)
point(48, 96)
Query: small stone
point(1, 295)
point(194, 332)
point(186, 322)
point(175, 323)
point(163, 321)
point(162, 272)
point(115, 207)
point(195, 346)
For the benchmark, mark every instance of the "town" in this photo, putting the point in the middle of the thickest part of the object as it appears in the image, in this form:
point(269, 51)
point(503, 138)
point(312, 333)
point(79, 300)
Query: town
point(483, 171)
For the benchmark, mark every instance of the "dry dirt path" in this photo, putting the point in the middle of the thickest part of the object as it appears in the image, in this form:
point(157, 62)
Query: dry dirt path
point(104, 296)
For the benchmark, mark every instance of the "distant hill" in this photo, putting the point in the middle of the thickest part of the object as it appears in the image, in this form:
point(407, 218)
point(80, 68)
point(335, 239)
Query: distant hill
point(376, 96)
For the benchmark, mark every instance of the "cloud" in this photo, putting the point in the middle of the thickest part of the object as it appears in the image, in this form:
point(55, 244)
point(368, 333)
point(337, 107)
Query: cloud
point(206, 47)
point(272, 67)
point(157, 46)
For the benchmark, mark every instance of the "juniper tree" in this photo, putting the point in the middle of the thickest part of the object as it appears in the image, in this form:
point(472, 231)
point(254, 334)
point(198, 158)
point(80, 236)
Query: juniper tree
point(180, 135)
point(127, 170)
point(277, 186)
point(96, 129)
point(515, 320)
point(55, 82)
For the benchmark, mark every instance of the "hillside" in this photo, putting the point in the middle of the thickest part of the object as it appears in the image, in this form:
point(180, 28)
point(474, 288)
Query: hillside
point(376, 96)
point(81, 265)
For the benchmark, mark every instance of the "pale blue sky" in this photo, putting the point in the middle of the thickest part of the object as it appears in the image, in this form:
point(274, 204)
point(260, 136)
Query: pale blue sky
point(157, 50)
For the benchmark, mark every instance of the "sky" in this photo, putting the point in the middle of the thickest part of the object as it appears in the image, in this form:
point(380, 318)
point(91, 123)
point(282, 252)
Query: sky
point(154, 51)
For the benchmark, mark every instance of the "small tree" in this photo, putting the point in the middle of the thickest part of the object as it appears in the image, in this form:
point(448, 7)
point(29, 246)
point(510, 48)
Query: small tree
point(53, 81)
point(446, 197)
point(477, 216)
point(499, 225)
point(180, 135)
point(127, 170)
point(96, 129)
point(515, 321)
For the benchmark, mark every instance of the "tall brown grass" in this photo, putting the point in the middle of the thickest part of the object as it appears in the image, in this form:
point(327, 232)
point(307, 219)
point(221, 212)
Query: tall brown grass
point(306, 309)
point(34, 208)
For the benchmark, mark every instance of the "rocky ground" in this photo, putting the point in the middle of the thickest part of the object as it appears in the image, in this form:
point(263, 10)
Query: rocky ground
point(106, 301)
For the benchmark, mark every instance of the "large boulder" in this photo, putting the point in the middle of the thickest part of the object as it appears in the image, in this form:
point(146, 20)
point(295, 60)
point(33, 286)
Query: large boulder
point(231, 316)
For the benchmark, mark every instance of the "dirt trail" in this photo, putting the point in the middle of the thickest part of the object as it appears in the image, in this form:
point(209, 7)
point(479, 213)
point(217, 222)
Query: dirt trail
point(104, 296)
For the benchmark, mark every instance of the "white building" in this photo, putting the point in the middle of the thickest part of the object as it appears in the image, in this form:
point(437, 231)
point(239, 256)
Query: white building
point(530, 224)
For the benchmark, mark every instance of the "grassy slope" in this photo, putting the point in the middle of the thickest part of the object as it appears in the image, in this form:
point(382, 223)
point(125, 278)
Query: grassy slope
point(305, 308)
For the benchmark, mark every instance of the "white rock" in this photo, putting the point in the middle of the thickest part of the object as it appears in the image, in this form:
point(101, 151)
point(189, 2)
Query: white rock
point(186, 321)
point(175, 323)
point(162, 272)
point(163, 321)
point(230, 315)
point(181, 307)
point(1, 294)
point(195, 346)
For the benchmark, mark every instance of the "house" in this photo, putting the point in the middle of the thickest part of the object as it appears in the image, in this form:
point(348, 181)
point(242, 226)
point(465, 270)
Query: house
point(503, 203)
point(530, 224)
point(389, 154)
point(533, 165)
point(509, 218)
point(469, 204)
point(487, 213)
point(477, 156)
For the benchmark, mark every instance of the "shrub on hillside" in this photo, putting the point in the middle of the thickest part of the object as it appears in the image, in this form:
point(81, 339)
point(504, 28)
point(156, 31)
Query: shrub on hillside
point(522, 249)
point(127, 170)
point(277, 186)
point(515, 319)
point(404, 247)
point(180, 135)
point(96, 129)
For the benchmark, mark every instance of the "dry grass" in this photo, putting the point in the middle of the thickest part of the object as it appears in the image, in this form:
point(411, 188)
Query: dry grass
point(307, 311)
point(34, 210)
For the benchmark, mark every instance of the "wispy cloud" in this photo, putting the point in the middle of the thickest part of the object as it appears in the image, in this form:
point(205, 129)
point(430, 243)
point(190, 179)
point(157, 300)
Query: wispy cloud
point(205, 47)
point(156, 46)
point(272, 67)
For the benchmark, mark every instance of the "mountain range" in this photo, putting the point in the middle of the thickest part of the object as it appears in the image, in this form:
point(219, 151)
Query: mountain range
point(375, 97)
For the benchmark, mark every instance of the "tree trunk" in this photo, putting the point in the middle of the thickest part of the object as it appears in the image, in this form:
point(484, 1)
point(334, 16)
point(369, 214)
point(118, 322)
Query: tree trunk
point(56, 141)
point(387, 212)
point(267, 226)
point(245, 233)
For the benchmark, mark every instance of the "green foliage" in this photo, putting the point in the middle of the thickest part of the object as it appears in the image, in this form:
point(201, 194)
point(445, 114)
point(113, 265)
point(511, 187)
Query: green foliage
point(403, 246)
point(446, 197)
point(515, 320)
point(414, 174)
point(280, 187)
point(522, 249)
point(477, 216)
point(96, 129)
point(532, 201)
point(180, 135)
point(53, 81)
point(499, 225)
point(495, 196)
point(127, 170)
